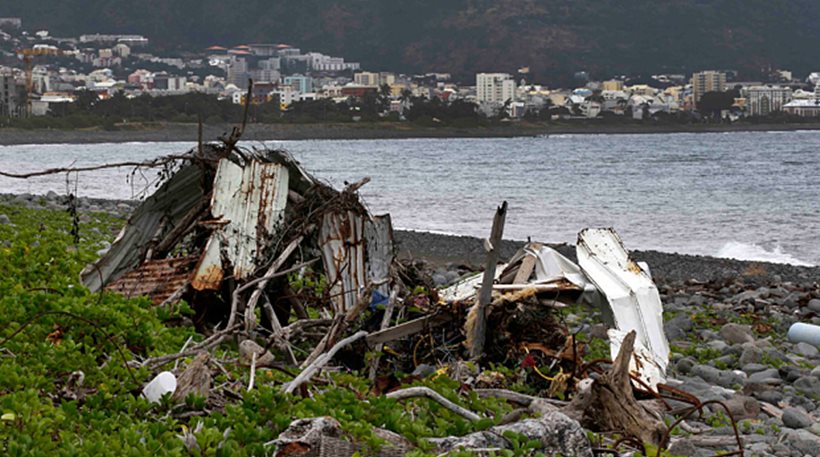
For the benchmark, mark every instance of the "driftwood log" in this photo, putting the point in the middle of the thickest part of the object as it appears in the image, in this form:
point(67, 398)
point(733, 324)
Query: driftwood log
point(607, 404)
point(196, 379)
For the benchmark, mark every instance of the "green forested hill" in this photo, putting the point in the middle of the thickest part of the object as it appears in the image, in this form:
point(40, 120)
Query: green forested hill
point(553, 37)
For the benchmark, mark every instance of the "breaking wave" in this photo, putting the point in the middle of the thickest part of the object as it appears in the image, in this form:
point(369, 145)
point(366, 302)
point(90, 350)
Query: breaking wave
point(753, 252)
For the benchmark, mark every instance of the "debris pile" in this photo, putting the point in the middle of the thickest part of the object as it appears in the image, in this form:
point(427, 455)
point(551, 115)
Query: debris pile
point(302, 277)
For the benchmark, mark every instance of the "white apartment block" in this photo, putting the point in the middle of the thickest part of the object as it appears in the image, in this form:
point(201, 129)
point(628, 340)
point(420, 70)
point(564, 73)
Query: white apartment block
point(494, 88)
point(762, 100)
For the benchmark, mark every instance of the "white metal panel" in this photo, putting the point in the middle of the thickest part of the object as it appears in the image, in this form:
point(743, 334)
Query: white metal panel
point(632, 296)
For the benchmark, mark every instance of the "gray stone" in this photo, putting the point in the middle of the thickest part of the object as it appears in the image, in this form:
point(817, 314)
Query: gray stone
point(769, 376)
point(599, 331)
point(685, 365)
point(814, 305)
point(707, 373)
point(684, 446)
point(731, 379)
point(4, 220)
point(439, 280)
point(802, 440)
point(247, 348)
point(677, 327)
point(806, 350)
point(704, 390)
point(816, 372)
point(791, 373)
point(728, 360)
point(555, 432)
point(808, 385)
point(800, 401)
point(736, 334)
point(309, 432)
point(51, 195)
point(750, 295)
point(772, 396)
point(718, 345)
point(743, 407)
point(750, 354)
point(751, 368)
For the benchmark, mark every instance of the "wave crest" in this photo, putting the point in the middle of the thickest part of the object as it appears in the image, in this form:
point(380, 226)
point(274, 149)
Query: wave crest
point(753, 252)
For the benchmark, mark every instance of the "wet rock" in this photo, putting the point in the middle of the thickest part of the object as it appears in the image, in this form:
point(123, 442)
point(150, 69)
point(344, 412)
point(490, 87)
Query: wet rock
point(814, 305)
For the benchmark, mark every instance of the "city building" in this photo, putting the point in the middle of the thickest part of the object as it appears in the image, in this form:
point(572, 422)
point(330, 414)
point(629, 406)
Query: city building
point(613, 85)
point(495, 88)
point(130, 40)
point(805, 107)
point(9, 23)
point(763, 100)
point(300, 83)
point(366, 78)
point(12, 96)
point(707, 81)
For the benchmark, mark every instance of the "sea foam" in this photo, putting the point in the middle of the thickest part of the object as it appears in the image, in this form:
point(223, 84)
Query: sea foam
point(753, 252)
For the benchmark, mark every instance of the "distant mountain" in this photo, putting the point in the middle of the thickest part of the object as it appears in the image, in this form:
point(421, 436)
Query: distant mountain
point(553, 37)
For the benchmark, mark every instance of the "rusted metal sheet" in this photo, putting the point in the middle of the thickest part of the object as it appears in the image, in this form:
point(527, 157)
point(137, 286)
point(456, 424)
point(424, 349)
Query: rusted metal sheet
point(341, 238)
point(632, 296)
point(167, 206)
point(158, 279)
point(249, 203)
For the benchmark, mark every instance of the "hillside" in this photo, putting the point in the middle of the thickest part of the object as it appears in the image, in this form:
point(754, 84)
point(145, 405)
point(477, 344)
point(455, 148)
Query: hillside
point(553, 37)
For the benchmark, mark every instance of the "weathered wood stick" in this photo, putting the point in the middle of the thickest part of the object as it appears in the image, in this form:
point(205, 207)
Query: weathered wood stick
point(477, 331)
point(250, 316)
point(388, 315)
point(320, 362)
point(426, 392)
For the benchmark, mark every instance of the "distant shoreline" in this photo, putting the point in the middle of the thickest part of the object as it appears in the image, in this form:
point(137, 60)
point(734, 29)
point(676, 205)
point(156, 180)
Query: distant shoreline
point(352, 131)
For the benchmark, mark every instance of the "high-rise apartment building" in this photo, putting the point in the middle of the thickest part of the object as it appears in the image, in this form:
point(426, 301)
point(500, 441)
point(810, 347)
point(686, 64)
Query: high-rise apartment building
point(494, 87)
point(707, 81)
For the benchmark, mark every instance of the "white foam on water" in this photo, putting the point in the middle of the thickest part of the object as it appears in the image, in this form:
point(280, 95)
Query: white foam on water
point(753, 252)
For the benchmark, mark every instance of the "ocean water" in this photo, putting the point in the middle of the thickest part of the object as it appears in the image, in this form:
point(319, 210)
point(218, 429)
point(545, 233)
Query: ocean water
point(746, 195)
